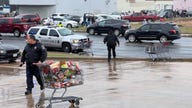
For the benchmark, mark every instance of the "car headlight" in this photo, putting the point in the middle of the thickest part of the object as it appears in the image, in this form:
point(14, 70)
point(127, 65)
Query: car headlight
point(2, 51)
point(75, 41)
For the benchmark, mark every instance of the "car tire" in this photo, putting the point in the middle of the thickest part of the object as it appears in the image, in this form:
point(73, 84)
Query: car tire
point(131, 38)
point(69, 26)
point(91, 31)
point(116, 32)
point(66, 47)
point(17, 33)
point(163, 39)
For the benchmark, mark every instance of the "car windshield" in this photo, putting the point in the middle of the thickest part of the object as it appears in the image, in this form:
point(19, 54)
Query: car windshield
point(65, 32)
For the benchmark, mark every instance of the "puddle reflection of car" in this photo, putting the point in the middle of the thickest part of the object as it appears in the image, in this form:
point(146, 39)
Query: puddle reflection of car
point(8, 52)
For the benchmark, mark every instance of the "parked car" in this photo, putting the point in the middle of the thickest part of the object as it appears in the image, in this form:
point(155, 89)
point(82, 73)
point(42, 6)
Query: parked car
point(105, 16)
point(14, 25)
point(90, 16)
point(154, 31)
point(29, 18)
point(8, 52)
point(189, 13)
point(59, 38)
point(59, 15)
point(66, 23)
point(138, 16)
point(168, 13)
point(74, 18)
point(118, 26)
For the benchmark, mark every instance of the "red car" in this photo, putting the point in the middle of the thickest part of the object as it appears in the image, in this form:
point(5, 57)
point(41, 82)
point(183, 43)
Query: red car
point(29, 18)
point(138, 17)
point(14, 25)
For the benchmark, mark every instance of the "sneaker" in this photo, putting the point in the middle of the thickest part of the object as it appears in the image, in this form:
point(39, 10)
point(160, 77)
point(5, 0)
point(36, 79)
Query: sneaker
point(28, 92)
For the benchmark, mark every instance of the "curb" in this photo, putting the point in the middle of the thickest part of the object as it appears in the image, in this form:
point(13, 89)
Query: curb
point(120, 59)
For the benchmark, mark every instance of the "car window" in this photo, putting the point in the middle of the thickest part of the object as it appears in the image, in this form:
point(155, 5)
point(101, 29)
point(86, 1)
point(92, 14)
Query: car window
point(44, 32)
point(145, 27)
point(109, 22)
point(102, 23)
point(58, 19)
point(54, 14)
point(33, 31)
point(53, 33)
point(16, 21)
point(65, 32)
point(26, 16)
point(155, 27)
point(176, 27)
point(4, 21)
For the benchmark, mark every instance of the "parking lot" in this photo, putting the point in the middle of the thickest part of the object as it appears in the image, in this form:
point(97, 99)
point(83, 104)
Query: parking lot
point(120, 84)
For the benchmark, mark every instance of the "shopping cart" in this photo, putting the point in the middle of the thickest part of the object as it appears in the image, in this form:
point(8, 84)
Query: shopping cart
point(87, 49)
point(158, 51)
point(61, 75)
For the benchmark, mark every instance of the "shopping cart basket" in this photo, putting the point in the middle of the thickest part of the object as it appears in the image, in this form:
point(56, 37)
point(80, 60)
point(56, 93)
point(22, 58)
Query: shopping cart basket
point(61, 75)
point(158, 51)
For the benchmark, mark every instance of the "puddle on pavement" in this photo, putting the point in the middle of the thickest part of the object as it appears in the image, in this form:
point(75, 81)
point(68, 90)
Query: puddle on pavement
point(114, 84)
point(9, 71)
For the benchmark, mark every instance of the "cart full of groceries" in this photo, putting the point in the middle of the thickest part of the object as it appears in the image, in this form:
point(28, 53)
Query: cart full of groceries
point(61, 75)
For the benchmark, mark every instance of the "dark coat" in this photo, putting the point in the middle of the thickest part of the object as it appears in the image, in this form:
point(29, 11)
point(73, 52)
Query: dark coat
point(34, 53)
point(111, 40)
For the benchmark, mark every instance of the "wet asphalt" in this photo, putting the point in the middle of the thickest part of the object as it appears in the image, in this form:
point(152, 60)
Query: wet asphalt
point(118, 84)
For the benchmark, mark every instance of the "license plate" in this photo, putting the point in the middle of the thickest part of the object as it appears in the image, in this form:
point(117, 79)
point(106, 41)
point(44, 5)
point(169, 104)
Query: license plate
point(15, 55)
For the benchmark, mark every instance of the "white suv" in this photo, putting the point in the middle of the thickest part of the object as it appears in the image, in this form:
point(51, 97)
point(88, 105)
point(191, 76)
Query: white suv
point(59, 37)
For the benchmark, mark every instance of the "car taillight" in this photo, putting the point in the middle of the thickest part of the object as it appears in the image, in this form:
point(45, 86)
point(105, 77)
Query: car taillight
point(172, 31)
point(25, 26)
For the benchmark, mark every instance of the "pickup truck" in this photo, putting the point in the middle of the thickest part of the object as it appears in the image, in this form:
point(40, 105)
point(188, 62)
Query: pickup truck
point(138, 17)
point(14, 25)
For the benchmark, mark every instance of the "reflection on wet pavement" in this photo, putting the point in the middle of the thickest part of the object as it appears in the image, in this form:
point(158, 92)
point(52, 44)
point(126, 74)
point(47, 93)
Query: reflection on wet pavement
point(118, 84)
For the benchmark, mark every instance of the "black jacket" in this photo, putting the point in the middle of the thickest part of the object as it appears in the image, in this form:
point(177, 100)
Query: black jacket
point(34, 53)
point(111, 40)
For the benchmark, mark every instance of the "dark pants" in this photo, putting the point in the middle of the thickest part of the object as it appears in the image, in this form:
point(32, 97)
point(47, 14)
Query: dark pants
point(30, 71)
point(111, 48)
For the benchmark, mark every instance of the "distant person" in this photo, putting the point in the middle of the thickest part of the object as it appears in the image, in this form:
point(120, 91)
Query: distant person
point(84, 20)
point(60, 24)
point(111, 41)
point(33, 54)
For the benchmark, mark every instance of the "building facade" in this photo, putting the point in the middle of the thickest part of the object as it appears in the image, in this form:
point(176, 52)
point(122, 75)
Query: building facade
point(182, 4)
point(46, 7)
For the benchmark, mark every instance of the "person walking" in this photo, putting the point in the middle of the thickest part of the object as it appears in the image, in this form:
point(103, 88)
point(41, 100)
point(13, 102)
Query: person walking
point(33, 55)
point(111, 41)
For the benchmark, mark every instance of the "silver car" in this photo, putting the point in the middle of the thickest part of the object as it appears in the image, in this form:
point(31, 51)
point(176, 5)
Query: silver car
point(59, 37)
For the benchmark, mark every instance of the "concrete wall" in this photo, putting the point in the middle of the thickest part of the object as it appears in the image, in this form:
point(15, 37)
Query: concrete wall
point(90, 6)
point(124, 5)
point(32, 2)
point(43, 11)
point(182, 4)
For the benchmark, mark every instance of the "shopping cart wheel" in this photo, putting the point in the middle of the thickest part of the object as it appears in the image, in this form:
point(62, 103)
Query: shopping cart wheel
point(37, 105)
point(49, 106)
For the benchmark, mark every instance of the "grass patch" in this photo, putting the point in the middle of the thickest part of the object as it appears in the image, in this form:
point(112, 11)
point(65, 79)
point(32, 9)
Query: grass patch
point(64, 55)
